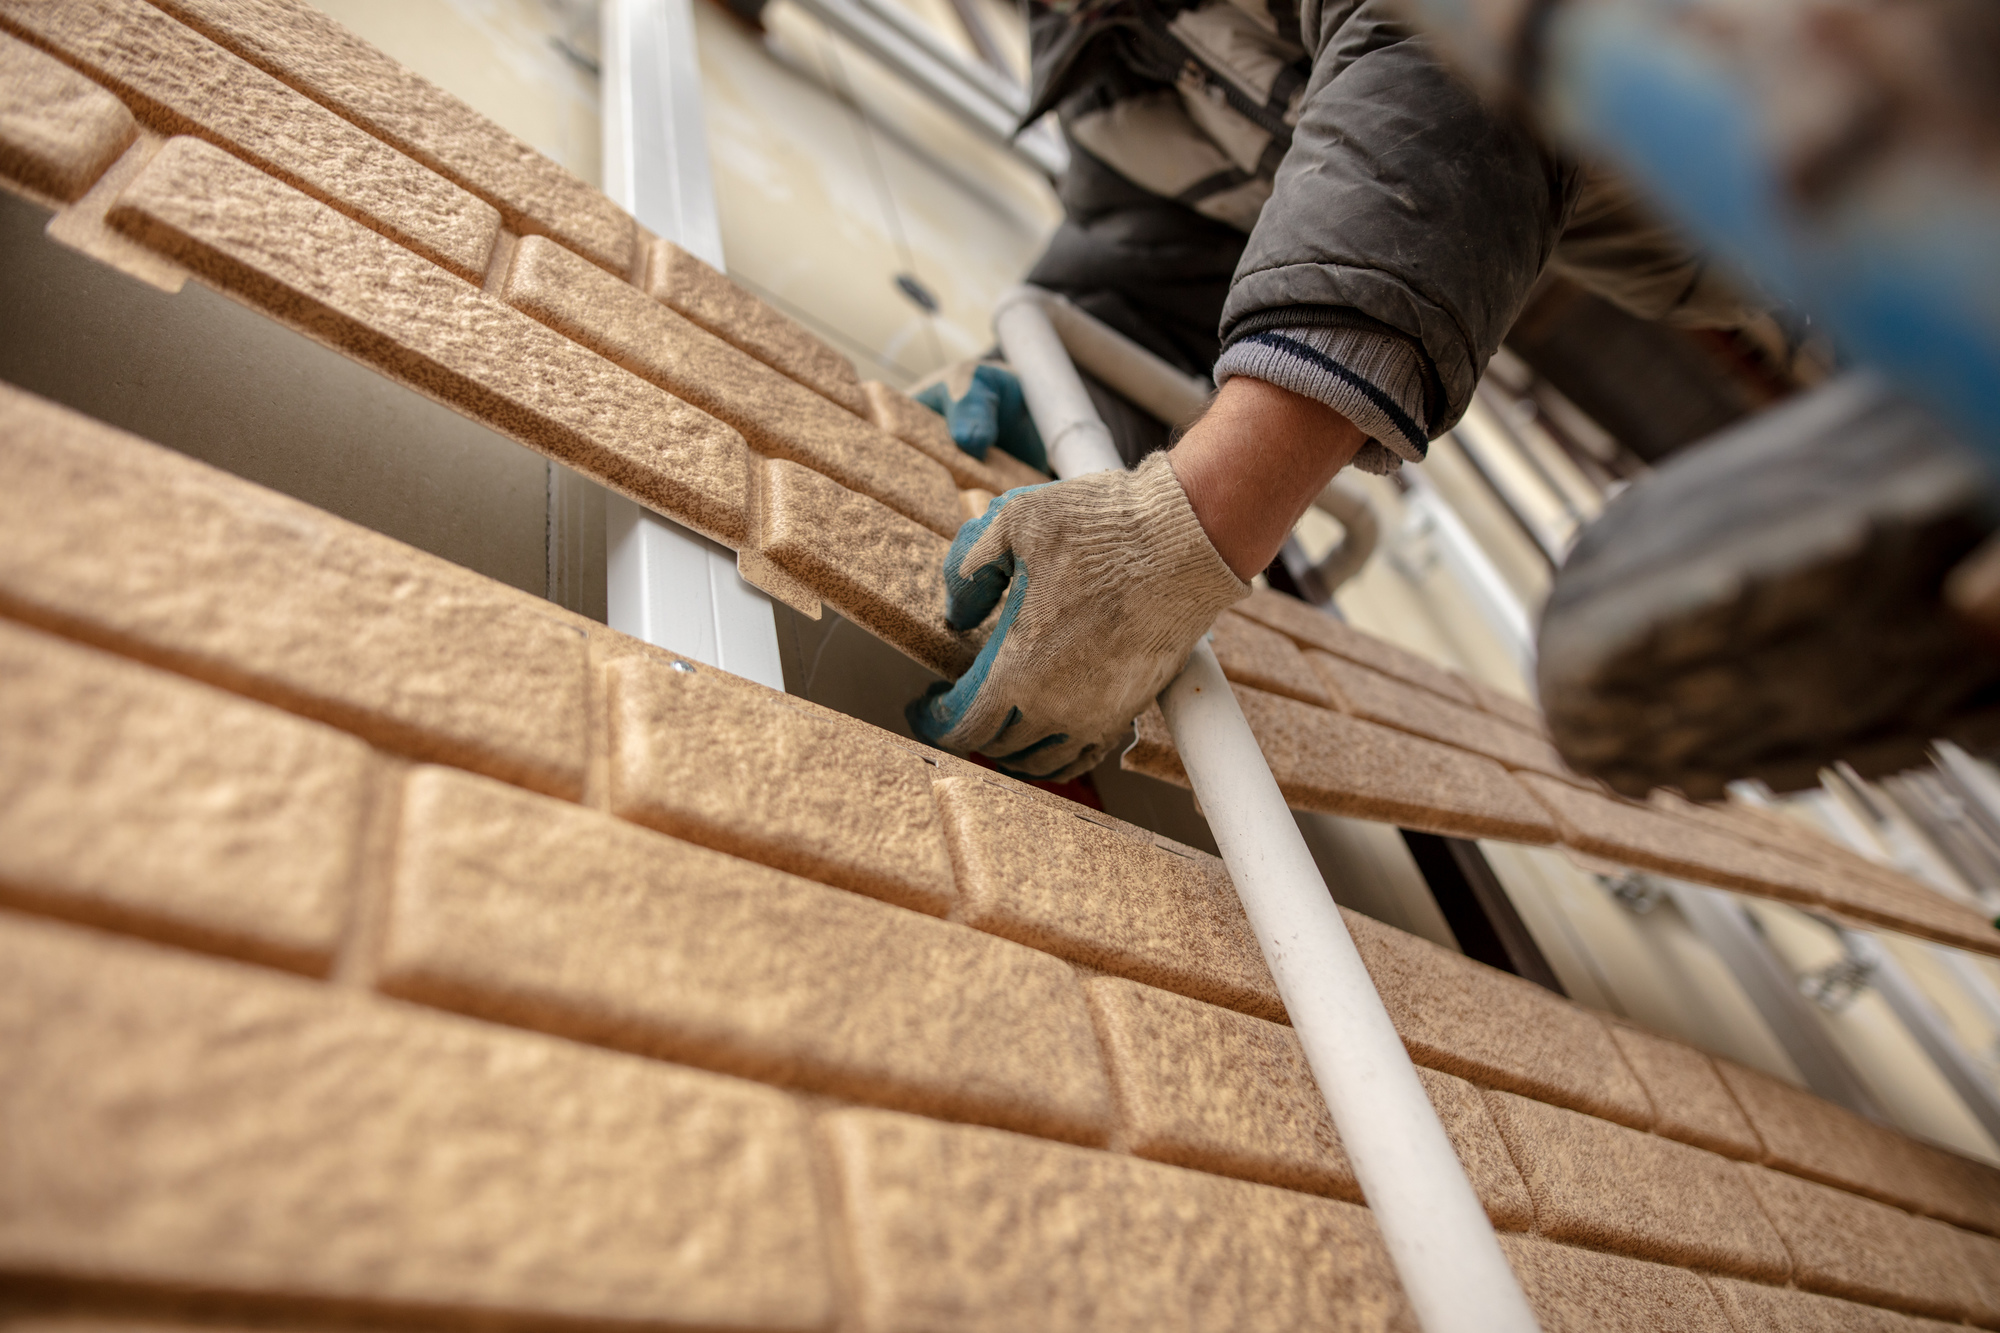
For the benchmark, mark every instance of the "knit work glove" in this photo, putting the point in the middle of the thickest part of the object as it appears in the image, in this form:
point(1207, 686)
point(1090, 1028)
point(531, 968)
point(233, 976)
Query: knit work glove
point(982, 406)
point(1109, 582)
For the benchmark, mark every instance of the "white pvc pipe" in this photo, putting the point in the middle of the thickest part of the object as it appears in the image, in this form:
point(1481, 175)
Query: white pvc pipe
point(1133, 371)
point(1438, 1236)
point(1349, 508)
point(1075, 437)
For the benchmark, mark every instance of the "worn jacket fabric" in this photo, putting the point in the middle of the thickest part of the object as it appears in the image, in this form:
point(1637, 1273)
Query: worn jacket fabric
point(1395, 224)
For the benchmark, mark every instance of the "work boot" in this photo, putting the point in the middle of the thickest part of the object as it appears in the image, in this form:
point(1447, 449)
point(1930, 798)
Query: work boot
point(1772, 600)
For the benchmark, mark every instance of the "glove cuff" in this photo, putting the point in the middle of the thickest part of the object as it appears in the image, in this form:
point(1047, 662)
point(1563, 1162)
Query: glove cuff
point(1180, 553)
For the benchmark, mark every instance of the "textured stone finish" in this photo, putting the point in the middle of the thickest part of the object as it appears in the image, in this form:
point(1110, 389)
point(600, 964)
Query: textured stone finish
point(705, 756)
point(880, 570)
point(132, 797)
point(1838, 877)
point(196, 1123)
point(181, 83)
point(1808, 1136)
point(533, 911)
point(1845, 1245)
point(302, 47)
point(1340, 765)
point(1059, 882)
point(1581, 1291)
point(693, 287)
point(1688, 1095)
point(974, 1230)
point(1367, 693)
point(1599, 1184)
point(1981, 1255)
point(777, 415)
point(1315, 628)
point(1508, 708)
point(348, 287)
point(1961, 1190)
point(1497, 1030)
point(1209, 1088)
point(1254, 654)
point(1753, 1308)
point(902, 416)
point(265, 596)
point(1634, 834)
point(1907, 906)
point(58, 130)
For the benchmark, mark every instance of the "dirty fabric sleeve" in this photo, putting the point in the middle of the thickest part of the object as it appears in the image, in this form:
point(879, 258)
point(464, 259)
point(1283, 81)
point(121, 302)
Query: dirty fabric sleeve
point(1407, 225)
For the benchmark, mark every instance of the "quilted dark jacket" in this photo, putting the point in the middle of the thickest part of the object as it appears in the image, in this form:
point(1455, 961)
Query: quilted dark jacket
point(1241, 167)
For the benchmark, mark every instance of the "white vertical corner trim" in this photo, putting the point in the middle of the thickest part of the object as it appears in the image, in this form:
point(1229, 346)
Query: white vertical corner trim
point(680, 591)
point(655, 147)
point(664, 584)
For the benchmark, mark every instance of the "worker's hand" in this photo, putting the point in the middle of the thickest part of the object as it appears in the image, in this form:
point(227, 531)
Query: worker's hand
point(1109, 581)
point(982, 406)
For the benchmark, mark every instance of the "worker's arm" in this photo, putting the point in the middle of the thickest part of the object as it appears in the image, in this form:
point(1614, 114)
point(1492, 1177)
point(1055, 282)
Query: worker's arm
point(1253, 463)
point(1405, 229)
point(1105, 582)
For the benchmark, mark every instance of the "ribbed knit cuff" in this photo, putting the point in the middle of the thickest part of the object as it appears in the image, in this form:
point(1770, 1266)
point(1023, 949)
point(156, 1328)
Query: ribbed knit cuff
point(1199, 581)
point(1376, 380)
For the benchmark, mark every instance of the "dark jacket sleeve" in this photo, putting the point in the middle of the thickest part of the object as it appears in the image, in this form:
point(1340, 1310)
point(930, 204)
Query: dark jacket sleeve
point(1404, 206)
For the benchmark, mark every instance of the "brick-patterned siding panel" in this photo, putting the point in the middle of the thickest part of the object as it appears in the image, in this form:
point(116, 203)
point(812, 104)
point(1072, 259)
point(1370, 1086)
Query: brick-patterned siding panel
point(1634, 834)
point(1909, 907)
point(880, 570)
point(140, 799)
point(206, 1124)
point(58, 130)
point(1839, 877)
point(1808, 1136)
point(1845, 1245)
point(776, 414)
point(1254, 654)
point(349, 287)
point(522, 908)
point(1367, 693)
point(697, 290)
point(979, 1231)
point(1982, 1261)
point(908, 420)
point(1958, 1189)
point(1011, 470)
point(1753, 1308)
point(1059, 882)
point(1340, 765)
point(263, 595)
point(180, 82)
point(305, 49)
point(1599, 1184)
point(705, 756)
point(1313, 627)
point(1580, 1291)
point(1507, 707)
point(1209, 1088)
point(1693, 1104)
point(1482, 1024)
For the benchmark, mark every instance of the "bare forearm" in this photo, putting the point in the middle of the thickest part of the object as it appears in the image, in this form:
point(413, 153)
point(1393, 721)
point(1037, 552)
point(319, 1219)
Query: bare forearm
point(1253, 463)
